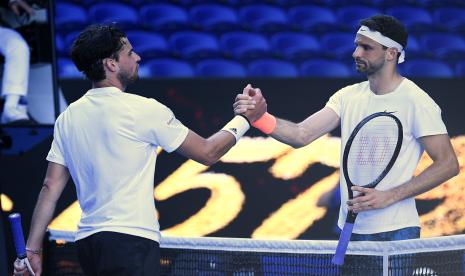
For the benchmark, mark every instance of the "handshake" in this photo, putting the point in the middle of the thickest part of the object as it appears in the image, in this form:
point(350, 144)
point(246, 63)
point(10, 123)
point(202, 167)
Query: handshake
point(252, 105)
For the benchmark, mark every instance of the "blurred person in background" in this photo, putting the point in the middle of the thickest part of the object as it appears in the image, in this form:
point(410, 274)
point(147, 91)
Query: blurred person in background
point(15, 80)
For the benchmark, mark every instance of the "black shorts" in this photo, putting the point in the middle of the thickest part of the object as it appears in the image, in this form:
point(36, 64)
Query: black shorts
point(111, 253)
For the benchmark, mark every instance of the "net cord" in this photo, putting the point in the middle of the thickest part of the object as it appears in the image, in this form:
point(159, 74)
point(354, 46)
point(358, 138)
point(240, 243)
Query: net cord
point(455, 242)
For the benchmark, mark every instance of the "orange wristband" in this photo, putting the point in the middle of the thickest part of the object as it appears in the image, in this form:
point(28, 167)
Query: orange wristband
point(266, 123)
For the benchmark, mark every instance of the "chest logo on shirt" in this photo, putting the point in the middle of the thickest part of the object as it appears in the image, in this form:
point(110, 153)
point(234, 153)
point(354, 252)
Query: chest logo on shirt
point(171, 120)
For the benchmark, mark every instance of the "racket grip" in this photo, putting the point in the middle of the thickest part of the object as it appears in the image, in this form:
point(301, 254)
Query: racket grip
point(18, 237)
point(341, 248)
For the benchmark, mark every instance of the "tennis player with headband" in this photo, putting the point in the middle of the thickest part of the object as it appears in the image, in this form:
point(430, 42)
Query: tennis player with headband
point(387, 212)
point(107, 141)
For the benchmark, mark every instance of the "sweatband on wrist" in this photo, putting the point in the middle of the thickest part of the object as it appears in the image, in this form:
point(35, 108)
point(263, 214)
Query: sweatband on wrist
point(266, 123)
point(238, 126)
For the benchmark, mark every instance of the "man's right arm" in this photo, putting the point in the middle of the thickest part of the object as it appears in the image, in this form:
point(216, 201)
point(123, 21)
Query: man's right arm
point(55, 181)
point(206, 151)
point(301, 134)
point(209, 150)
point(294, 134)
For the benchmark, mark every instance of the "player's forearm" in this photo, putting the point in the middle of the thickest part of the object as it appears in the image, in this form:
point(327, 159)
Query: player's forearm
point(216, 146)
point(291, 133)
point(307, 131)
point(431, 177)
point(41, 217)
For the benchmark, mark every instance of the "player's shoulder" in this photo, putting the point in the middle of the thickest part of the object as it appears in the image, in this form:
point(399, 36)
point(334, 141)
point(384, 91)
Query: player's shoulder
point(146, 107)
point(359, 86)
point(411, 86)
point(134, 97)
point(141, 101)
point(69, 108)
point(415, 93)
point(353, 89)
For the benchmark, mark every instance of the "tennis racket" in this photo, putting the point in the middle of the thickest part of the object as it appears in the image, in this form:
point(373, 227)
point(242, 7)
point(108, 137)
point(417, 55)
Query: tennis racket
point(369, 154)
point(18, 238)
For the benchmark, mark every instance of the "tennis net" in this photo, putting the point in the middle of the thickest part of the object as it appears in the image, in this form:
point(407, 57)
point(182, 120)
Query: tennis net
point(246, 257)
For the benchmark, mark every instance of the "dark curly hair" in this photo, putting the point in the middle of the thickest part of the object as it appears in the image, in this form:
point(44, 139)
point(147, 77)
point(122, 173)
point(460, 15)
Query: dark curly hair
point(388, 26)
point(94, 44)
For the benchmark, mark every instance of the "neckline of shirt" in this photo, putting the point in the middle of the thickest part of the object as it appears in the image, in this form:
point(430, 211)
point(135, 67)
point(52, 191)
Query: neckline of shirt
point(103, 90)
point(390, 94)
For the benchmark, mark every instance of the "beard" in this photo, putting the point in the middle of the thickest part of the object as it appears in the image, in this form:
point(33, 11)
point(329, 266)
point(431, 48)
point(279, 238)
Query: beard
point(127, 78)
point(363, 66)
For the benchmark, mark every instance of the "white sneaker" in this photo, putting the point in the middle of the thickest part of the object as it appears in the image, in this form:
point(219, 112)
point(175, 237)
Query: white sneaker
point(10, 115)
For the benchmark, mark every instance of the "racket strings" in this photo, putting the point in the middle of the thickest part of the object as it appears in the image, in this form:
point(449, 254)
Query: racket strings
point(372, 149)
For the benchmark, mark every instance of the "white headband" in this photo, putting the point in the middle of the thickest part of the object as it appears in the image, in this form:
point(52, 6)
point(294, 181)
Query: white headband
point(383, 40)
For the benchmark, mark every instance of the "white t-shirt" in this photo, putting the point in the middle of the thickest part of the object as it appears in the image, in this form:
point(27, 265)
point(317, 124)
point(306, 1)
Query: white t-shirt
point(420, 116)
point(108, 140)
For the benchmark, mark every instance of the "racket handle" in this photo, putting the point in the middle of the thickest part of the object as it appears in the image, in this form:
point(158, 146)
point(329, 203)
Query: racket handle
point(341, 248)
point(18, 237)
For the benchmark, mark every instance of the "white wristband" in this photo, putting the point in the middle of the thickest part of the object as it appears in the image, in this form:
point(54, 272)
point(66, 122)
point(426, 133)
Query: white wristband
point(238, 126)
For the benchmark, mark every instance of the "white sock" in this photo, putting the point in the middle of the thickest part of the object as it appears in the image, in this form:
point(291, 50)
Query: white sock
point(11, 101)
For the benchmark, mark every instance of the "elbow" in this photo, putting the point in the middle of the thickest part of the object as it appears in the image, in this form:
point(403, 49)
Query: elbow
point(301, 142)
point(209, 158)
point(49, 191)
point(297, 145)
point(451, 167)
point(46, 186)
point(209, 163)
point(454, 167)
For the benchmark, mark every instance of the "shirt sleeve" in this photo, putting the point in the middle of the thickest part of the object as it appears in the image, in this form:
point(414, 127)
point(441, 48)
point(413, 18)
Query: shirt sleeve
point(56, 153)
point(428, 121)
point(156, 124)
point(336, 100)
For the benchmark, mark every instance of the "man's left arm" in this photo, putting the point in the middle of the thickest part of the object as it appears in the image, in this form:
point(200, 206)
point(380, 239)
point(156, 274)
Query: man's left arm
point(445, 166)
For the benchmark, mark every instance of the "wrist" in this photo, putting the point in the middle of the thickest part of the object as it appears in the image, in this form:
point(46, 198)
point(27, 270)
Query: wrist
point(238, 126)
point(34, 251)
point(393, 197)
point(266, 123)
point(245, 117)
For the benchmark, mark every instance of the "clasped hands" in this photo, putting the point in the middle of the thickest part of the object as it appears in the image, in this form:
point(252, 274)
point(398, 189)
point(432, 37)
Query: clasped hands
point(250, 103)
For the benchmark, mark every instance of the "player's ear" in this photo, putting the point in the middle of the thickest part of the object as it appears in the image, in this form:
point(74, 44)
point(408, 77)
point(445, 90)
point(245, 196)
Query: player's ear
point(110, 64)
point(391, 54)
